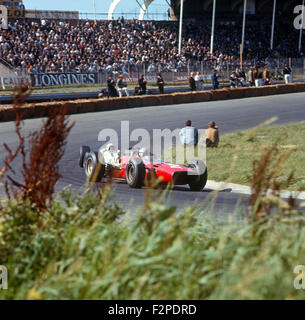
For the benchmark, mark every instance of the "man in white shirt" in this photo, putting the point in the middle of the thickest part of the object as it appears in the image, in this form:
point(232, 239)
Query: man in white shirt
point(122, 86)
point(189, 134)
point(199, 81)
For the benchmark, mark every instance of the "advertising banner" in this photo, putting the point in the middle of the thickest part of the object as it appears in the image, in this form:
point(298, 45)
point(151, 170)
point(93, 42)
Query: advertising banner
point(63, 79)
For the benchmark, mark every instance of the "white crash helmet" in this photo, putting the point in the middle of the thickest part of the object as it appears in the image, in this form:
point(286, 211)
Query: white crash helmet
point(143, 152)
point(110, 147)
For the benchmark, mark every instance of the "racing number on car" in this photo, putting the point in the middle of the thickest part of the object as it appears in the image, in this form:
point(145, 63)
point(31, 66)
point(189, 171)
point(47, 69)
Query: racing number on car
point(175, 166)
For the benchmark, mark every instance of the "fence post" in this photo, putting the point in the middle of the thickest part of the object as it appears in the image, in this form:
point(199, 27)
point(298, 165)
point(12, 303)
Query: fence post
point(99, 77)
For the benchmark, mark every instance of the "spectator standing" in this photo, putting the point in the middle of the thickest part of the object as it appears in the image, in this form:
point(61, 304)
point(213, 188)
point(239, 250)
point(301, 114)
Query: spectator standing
point(241, 77)
point(142, 84)
point(112, 92)
point(160, 83)
point(233, 80)
point(258, 77)
point(267, 76)
point(189, 134)
point(215, 81)
point(192, 83)
point(287, 74)
point(122, 86)
point(199, 81)
point(251, 78)
point(212, 135)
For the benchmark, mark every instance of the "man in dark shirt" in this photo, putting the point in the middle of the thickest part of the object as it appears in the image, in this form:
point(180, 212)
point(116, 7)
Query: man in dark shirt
point(160, 83)
point(241, 77)
point(233, 80)
point(142, 84)
point(287, 74)
point(192, 82)
point(112, 92)
point(215, 81)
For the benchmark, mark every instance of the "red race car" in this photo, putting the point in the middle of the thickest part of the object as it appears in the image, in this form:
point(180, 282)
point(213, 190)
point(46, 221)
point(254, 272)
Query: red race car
point(139, 166)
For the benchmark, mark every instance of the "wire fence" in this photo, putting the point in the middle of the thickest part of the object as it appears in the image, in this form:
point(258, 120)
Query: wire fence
point(174, 75)
point(181, 72)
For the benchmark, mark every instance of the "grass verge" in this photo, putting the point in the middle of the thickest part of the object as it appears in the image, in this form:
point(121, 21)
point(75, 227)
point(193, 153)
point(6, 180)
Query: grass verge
point(244, 148)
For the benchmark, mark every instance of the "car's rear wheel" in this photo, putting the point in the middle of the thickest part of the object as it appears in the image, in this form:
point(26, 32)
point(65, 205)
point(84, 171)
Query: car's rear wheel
point(135, 173)
point(94, 170)
point(198, 182)
point(82, 152)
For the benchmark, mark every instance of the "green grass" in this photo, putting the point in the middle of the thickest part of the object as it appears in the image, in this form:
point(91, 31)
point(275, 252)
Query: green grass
point(247, 147)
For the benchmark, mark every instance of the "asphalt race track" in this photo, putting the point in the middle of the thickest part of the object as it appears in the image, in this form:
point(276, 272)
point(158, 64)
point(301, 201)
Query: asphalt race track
point(230, 116)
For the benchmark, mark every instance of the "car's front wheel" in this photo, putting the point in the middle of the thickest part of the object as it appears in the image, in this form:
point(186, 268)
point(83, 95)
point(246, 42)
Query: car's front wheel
point(198, 182)
point(94, 170)
point(135, 173)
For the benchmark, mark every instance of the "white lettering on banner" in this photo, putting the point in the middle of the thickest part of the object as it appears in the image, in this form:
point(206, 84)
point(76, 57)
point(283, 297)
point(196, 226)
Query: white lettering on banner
point(153, 79)
point(75, 79)
point(150, 79)
point(185, 78)
point(46, 80)
point(15, 81)
point(55, 80)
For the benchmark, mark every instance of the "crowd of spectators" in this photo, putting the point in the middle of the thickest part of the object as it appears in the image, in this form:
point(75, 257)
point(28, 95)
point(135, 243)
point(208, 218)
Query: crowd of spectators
point(130, 46)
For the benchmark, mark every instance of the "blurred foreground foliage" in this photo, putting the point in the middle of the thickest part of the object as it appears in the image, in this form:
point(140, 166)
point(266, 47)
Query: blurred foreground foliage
point(84, 248)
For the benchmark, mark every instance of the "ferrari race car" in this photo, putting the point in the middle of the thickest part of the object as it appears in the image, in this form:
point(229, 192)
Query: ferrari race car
point(138, 166)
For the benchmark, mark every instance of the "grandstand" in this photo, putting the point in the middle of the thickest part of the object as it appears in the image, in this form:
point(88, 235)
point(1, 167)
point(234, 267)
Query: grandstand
point(68, 45)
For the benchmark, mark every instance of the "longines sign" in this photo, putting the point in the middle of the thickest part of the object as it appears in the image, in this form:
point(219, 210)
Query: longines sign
point(63, 79)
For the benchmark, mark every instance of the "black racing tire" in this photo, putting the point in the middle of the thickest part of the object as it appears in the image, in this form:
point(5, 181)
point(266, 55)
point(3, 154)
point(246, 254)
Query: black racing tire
point(135, 173)
point(82, 152)
point(94, 170)
point(200, 181)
